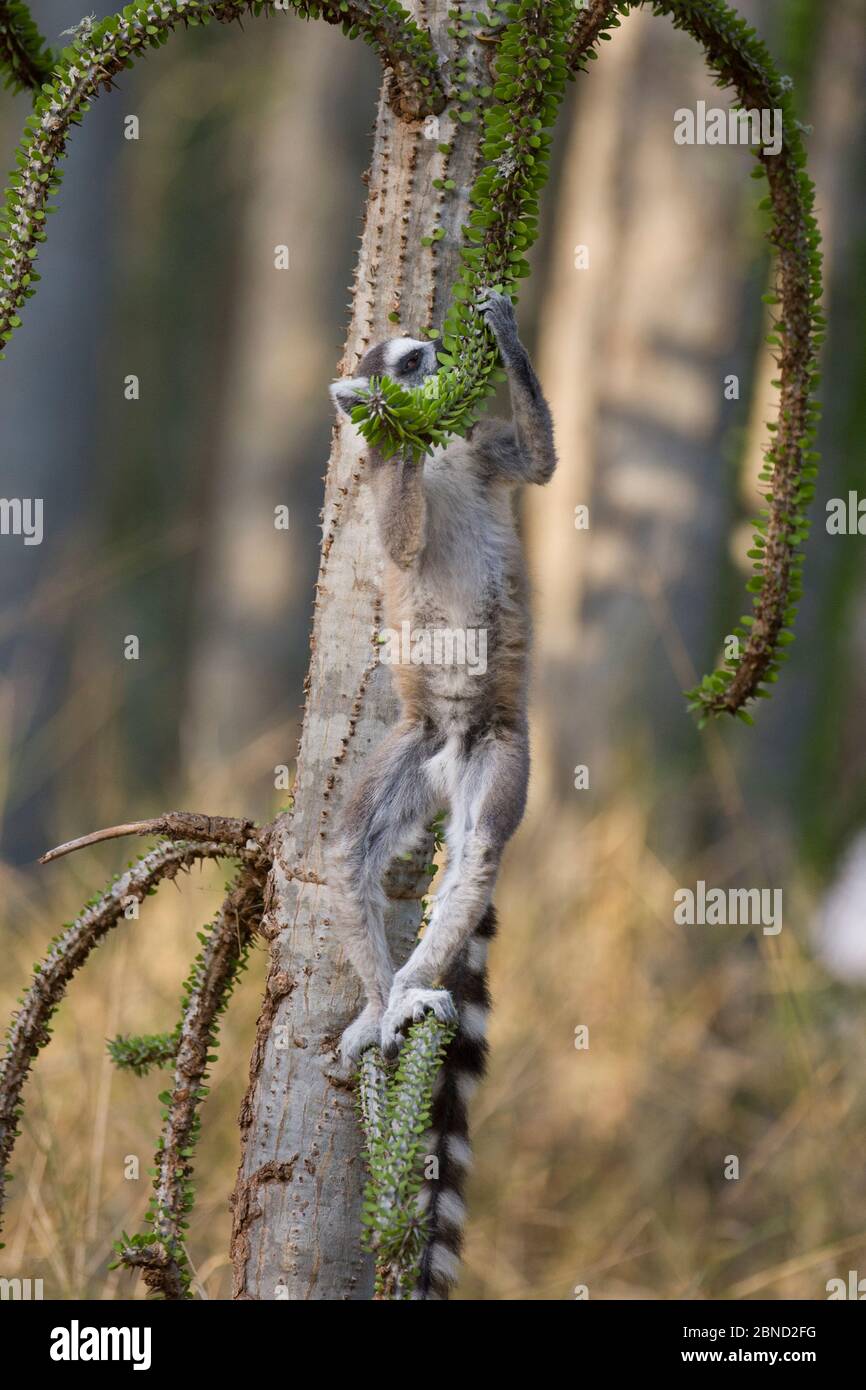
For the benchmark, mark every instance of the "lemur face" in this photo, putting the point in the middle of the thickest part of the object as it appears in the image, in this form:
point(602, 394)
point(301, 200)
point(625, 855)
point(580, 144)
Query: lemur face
point(405, 360)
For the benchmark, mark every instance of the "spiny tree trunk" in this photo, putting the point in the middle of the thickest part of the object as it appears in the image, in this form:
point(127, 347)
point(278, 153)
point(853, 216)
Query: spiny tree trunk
point(298, 1197)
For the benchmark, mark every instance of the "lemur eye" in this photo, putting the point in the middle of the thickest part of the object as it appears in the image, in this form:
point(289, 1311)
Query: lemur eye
point(412, 362)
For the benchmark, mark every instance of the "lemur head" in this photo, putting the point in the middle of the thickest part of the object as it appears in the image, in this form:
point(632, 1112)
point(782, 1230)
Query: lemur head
point(405, 360)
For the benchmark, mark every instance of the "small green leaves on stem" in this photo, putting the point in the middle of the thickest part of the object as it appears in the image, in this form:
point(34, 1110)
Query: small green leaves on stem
point(139, 1053)
point(395, 1111)
point(531, 75)
point(25, 59)
point(160, 1251)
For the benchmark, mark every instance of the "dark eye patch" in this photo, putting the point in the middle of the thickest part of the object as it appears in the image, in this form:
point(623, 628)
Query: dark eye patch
point(373, 363)
point(411, 362)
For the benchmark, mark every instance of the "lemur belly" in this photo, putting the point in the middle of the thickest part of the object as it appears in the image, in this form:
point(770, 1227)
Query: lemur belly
point(464, 603)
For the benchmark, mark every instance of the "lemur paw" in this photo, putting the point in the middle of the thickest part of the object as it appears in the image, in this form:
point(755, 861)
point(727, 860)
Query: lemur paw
point(409, 1006)
point(498, 313)
point(361, 1034)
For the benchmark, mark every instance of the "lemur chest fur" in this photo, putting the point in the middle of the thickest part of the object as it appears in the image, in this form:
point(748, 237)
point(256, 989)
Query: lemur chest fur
point(461, 600)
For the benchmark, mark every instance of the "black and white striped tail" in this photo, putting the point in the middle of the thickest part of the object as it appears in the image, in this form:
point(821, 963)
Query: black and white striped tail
point(462, 1069)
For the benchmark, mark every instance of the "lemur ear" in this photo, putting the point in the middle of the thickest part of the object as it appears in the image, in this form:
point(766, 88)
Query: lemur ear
point(344, 393)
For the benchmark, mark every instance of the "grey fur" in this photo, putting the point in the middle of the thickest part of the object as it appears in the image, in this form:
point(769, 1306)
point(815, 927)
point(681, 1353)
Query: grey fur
point(454, 562)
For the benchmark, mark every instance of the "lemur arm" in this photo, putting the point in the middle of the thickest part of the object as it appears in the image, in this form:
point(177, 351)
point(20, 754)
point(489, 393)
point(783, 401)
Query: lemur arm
point(527, 452)
point(401, 507)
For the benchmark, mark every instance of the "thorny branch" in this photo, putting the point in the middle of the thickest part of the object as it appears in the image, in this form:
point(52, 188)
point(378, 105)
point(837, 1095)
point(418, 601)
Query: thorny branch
point(395, 1108)
point(25, 60)
point(588, 28)
point(29, 1030)
point(160, 1253)
point(242, 835)
point(741, 61)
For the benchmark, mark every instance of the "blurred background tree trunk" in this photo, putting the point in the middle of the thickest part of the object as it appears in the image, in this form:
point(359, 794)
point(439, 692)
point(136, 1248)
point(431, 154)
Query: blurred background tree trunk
point(634, 349)
point(270, 432)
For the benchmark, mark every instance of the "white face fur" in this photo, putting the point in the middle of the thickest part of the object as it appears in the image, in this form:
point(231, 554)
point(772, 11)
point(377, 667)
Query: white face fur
point(405, 360)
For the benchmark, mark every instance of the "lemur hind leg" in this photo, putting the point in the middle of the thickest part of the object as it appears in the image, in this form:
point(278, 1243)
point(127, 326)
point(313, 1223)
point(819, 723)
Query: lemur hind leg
point(385, 813)
point(487, 802)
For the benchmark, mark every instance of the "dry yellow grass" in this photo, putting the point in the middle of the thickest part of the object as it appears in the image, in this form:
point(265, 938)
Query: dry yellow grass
point(605, 1167)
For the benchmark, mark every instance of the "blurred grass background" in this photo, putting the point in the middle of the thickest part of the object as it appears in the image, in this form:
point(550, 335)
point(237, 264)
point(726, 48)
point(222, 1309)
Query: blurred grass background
point(601, 1167)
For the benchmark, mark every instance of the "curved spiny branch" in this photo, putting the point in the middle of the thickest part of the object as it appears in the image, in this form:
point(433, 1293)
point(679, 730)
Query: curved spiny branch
point(96, 58)
point(741, 61)
point(588, 27)
point(174, 825)
point(29, 1030)
point(160, 1252)
point(25, 59)
point(415, 81)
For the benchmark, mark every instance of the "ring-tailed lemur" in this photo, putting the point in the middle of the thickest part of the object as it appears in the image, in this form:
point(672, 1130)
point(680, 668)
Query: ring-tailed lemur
point(454, 565)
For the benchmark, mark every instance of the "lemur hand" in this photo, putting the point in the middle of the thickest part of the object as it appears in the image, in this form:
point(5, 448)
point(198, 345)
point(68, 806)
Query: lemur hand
point(408, 1006)
point(498, 313)
point(363, 1033)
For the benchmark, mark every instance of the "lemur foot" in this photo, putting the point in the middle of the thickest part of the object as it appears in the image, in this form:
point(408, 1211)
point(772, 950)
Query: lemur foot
point(498, 313)
point(361, 1034)
point(409, 1006)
